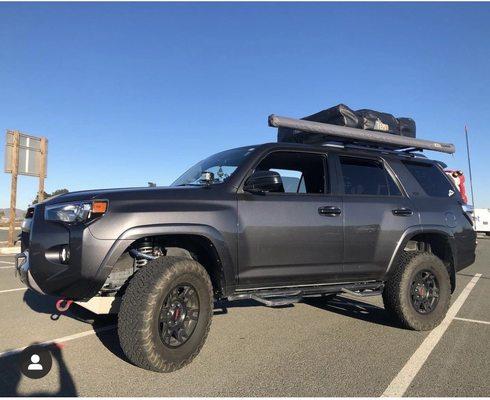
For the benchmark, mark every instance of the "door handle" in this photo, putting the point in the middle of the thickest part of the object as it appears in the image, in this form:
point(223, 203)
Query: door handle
point(329, 211)
point(402, 212)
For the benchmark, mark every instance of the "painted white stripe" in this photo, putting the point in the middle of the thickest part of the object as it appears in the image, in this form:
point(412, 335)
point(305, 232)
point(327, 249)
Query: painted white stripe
point(473, 320)
point(7, 262)
point(60, 340)
point(13, 290)
point(402, 381)
point(7, 267)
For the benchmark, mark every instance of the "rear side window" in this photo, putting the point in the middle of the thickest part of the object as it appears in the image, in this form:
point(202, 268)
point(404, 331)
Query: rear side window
point(367, 177)
point(433, 181)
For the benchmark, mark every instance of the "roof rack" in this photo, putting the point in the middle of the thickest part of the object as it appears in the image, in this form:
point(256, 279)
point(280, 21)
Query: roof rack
point(361, 136)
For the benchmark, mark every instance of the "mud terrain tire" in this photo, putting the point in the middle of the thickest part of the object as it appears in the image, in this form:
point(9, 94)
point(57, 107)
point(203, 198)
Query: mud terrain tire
point(147, 299)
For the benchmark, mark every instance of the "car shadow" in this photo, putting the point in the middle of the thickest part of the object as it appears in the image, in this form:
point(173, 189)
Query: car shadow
point(10, 376)
point(109, 338)
point(354, 309)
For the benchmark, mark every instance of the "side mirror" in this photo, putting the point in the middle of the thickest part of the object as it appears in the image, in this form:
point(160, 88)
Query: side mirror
point(264, 181)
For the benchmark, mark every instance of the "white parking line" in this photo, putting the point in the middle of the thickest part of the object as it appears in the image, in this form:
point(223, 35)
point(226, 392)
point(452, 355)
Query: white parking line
point(473, 320)
point(7, 267)
point(7, 262)
point(13, 290)
point(60, 340)
point(402, 381)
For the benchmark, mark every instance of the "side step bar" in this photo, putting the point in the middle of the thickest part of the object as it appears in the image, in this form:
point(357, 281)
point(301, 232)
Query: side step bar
point(282, 297)
point(364, 293)
point(273, 300)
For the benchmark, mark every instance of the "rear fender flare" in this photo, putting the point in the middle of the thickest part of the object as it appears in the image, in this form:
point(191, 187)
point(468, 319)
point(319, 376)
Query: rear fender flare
point(416, 230)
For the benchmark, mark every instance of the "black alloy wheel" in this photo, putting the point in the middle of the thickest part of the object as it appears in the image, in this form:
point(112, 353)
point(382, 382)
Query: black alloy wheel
point(178, 315)
point(424, 292)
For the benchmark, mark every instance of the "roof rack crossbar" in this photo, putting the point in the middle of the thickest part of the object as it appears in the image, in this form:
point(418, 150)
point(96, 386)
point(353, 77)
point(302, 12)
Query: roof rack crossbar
point(362, 135)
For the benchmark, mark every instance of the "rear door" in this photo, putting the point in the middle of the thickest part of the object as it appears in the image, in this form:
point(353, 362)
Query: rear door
point(376, 213)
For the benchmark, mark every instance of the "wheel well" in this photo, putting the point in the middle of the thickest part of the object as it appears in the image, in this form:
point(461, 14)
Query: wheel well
point(439, 245)
point(196, 247)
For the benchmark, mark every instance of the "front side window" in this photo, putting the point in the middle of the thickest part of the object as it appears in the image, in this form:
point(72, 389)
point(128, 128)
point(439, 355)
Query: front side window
point(367, 177)
point(221, 165)
point(432, 179)
point(301, 173)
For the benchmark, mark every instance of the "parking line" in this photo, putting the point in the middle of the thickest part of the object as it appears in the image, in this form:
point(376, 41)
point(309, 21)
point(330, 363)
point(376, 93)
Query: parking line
point(473, 320)
point(13, 290)
point(60, 340)
point(402, 381)
point(7, 262)
point(7, 267)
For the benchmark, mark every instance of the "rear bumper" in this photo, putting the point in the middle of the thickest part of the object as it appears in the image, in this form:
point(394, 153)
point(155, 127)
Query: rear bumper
point(22, 270)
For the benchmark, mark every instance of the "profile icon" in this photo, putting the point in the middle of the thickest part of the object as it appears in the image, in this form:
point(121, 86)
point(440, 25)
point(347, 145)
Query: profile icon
point(34, 365)
point(35, 361)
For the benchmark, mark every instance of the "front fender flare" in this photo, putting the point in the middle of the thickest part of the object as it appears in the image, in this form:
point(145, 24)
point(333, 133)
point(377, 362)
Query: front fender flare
point(228, 273)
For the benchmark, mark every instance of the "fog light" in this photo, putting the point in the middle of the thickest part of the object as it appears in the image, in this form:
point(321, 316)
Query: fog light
point(65, 254)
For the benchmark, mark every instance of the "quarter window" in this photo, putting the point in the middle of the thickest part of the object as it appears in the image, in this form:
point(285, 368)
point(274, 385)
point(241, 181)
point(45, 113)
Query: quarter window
point(367, 177)
point(432, 180)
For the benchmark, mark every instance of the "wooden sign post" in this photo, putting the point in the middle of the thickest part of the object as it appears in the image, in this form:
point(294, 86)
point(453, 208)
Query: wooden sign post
point(13, 188)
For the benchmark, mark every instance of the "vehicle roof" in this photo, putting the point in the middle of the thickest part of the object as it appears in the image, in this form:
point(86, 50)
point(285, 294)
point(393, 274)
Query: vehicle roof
point(345, 148)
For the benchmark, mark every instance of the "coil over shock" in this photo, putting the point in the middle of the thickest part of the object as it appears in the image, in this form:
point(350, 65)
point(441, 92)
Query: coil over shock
point(144, 252)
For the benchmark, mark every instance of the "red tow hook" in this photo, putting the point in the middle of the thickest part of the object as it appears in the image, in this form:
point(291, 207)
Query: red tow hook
point(61, 305)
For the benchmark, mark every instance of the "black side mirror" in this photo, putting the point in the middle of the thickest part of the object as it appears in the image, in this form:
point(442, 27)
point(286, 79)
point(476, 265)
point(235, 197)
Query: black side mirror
point(264, 181)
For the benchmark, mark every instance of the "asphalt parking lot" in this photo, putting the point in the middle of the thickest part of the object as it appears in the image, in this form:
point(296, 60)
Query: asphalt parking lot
point(344, 346)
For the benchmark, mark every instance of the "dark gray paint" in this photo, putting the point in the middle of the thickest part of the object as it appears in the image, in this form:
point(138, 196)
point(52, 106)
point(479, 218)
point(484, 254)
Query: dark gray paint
point(262, 240)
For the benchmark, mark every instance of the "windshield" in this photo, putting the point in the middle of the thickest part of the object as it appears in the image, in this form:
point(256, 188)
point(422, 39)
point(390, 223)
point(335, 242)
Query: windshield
point(221, 165)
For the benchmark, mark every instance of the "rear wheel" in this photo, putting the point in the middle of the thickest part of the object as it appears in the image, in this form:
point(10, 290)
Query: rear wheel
point(418, 293)
point(165, 314)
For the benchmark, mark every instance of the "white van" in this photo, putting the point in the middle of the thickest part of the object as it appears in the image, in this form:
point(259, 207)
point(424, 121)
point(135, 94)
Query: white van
point(482, 220)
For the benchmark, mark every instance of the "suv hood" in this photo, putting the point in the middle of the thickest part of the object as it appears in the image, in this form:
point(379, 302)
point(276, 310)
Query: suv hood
point(136, 193)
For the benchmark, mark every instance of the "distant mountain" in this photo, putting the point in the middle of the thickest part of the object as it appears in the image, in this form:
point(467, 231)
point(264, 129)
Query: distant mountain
point(19, 214)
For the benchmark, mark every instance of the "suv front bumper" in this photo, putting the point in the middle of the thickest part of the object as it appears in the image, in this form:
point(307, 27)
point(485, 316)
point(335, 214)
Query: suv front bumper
point(22, 269)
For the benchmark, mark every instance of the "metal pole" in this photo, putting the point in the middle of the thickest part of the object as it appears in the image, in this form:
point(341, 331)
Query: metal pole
point(42, 172)
point(469, 165)
point(13, 188)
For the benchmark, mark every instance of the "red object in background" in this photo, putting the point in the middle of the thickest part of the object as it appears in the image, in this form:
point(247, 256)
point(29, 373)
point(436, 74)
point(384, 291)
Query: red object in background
point(459, 180)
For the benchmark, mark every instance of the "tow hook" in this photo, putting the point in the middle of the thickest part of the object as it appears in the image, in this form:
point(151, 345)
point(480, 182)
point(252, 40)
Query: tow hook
point(61, 305)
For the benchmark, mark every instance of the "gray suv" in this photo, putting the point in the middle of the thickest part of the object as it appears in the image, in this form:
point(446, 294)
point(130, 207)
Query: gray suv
point(275, 223)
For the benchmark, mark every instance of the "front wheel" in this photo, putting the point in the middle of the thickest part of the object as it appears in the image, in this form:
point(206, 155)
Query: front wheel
point(418, 293)
point(165, 314)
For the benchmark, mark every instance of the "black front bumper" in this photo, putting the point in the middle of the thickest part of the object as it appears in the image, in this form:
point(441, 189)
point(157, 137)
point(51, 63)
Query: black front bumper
point(22, 270)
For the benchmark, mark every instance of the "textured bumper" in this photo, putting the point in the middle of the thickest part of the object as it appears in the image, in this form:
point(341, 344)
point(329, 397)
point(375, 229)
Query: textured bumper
point(22, 267)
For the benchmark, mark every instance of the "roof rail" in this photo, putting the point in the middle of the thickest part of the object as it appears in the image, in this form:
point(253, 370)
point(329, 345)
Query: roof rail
point(361, 135)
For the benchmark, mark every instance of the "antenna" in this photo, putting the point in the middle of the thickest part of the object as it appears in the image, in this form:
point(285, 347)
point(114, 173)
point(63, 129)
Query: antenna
point(469, 165)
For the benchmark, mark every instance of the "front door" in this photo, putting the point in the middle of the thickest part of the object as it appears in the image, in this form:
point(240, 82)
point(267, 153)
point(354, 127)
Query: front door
point(295, 235)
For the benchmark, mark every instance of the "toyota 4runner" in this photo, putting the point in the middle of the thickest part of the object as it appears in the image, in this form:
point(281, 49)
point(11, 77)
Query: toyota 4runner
point(275, 223)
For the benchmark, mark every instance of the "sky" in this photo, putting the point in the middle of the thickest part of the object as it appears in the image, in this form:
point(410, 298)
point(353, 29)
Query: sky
point(128, 93)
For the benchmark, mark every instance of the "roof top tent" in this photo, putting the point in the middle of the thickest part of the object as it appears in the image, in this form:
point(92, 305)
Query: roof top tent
point(317, 133)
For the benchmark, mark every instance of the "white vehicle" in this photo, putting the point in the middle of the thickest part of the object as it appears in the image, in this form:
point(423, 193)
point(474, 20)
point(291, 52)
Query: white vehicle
point(482, 220)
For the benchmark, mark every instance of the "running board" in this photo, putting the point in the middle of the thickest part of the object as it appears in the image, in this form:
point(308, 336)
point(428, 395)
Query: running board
point(271, 299)
point(364, 292)
point(281, 296)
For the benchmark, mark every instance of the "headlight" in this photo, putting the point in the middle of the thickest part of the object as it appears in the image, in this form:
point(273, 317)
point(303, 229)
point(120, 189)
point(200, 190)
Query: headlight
point(75, 212)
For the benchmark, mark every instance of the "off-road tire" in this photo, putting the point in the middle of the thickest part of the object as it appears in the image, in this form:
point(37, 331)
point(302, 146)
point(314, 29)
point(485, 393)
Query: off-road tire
point(140, 308)
point(396, 293)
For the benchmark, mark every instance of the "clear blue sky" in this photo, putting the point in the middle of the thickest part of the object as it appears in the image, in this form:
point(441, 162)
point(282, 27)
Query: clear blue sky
point(130, 93)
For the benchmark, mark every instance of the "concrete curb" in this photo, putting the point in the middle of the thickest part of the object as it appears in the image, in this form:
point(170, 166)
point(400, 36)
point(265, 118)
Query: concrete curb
point(9, 250)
